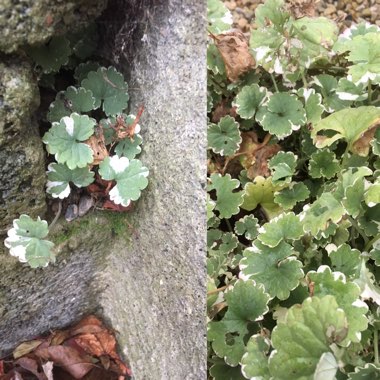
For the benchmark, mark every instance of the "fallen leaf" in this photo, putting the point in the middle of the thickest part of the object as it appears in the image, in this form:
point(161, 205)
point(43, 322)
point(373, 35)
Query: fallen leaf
point(361, 146)
point(222, 110)
point(48, 370)
point(233, 47)
point(109, 205)
point(26, 347)
point(31, 365)
point(68, 358)
point(97, 143)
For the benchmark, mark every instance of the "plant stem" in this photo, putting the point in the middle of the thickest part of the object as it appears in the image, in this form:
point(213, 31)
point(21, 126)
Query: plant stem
point(229, 225)
point(274, 82)
point(217, 290)
point(370, 243)
point(358, 229)
point(304, 81)
point(376, 346)
point(369, 87)
point(57, 215)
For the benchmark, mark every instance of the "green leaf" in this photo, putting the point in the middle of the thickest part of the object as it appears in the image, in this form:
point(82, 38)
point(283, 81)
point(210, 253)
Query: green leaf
point(218, 16)
point(368, 285)
point(368, 372)
point(130, 177)
point(254, 364)
point(129, 148)
point(247, 226)
point(365, 54)
point(344, 259)
point(60, 176)
point(305, 335)
point(327, 85)
point(282, 166)
point(372, 195)
point(82, 70)
point(347, 90)
point(38, 253)
point(276, 268)
point(224, 138)
point(227, 201)
point(248, 100)
point(316, 217)
point(72, 100)
point(108, 88)
point(229, 242)
point(26, 241)
point(282, 114)
point(222, 371)
point(272, 10)
point(287, 198)
point(354, 125)
point(346, 295)
point(52, 56)
point(64, 140)
point(323, 163)
point(369, 220)
point(313, 104)
point(246, 302)
point(261, 192)
point(85, 42)
point(287, 226)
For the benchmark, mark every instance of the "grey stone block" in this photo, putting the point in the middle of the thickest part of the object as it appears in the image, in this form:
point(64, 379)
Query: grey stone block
point(151, 289)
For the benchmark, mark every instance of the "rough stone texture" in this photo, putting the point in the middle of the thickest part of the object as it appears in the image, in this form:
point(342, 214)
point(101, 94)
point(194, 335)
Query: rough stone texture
point(34, 21)
point(22, 166)
point(151, 290)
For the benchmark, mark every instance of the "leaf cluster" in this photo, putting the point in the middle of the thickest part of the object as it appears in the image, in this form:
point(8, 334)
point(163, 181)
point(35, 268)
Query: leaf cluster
point(293, 208)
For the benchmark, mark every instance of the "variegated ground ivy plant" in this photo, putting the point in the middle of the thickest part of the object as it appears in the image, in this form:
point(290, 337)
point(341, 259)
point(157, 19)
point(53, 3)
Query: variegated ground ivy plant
point(293, 198)
point(92, 138)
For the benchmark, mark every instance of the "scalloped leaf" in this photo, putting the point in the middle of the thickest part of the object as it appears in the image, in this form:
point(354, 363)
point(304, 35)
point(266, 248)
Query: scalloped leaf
point(218, 16)
point(372, 195)
point(224, 138)
point(287, 198)
point(246, 302)
point(261, 192)
point(109, 89)
point(130, 176)
point(254, 364)
point(52, 56)
point(82, 70)
point(325, 209)
point(26, 242)
point(344, 259)
point(346, 294)
point(368, 372)
point(304, 336)
point(276, 268)
point(248, 100)
point(64, 140)
point(60, 176)
point(282, 114)
point(356, 126)
point(323, 163)
point(287, 226)
point(222, 371)
point(282, 166)
point(129, 148)
point(72, 100)
point(247, 226)
point(313, 104)
point(228, 201)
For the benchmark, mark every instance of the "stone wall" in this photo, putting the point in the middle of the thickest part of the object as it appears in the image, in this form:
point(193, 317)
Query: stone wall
point(149, 282)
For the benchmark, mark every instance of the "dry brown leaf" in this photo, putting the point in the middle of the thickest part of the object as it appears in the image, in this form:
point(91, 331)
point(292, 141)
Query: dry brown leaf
point(97, 143)
point(222, 110)
point(68, 358)
point(361, 146)
point(25, 348)
point(233, 47)
point(31, 365)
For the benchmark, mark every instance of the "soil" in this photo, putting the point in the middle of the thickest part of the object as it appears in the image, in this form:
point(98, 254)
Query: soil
point(345, 12)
